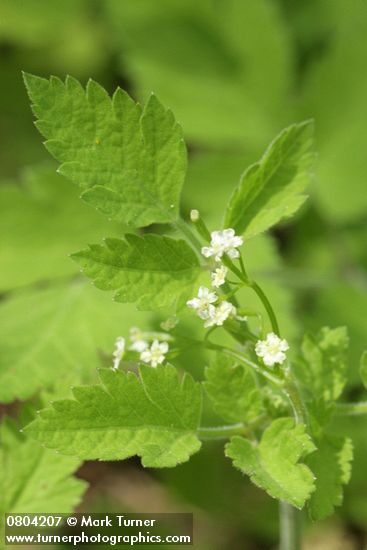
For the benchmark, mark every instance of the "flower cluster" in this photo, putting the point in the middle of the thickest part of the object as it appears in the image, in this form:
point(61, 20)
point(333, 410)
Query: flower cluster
point(223, 242)
point(204, 305)
point(207, 304)
point(153, 354)
point(272, 350)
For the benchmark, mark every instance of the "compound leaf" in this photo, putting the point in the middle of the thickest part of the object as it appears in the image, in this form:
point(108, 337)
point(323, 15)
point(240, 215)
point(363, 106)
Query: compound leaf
point(154, 416)
point(332, 468)
point(232, 390)
point(152, 270)
point(273, 463)
point(272, 189)
point(130, 163)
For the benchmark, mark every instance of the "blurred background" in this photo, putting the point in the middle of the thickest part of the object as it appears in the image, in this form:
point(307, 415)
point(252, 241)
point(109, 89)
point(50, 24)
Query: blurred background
point(234, 72)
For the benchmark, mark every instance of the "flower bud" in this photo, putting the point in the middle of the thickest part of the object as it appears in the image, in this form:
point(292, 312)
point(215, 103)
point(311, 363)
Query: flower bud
point(194, 215)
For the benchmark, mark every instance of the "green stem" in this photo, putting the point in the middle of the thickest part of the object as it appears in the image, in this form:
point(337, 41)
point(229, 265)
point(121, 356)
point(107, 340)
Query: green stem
point(290, 517)
point(240, 332)
point(245, 361)
point(261, 294)
point(228, 263)
point(295, 399)
point(290, 527)
point(182, 226)
point(232, 298)
point(221, 432)
point(226, 432)
point(351, 409)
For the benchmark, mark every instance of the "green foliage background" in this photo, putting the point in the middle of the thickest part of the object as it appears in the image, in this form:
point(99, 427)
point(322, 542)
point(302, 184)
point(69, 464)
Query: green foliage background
point(234, 72)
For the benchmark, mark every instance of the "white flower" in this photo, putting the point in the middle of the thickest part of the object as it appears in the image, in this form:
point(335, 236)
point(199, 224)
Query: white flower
point(138, 342)
point(155, 355)
point(220, 314)
point(272, 349)
point(223, 242)
point(219, 276)
point(202, 303)
point(119, 352)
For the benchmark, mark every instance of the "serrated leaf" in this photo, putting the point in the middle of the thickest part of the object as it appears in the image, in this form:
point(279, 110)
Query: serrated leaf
point(345, 304)
point(363, 368)
point(152, 270)
point(32, 478)
point(130, 163)
point(52, 338)
point(232, 390)
point(273, 464)
point(331, 464)
point(155, 417)
point(324, 371)
point(272, 189)
point(320, 414)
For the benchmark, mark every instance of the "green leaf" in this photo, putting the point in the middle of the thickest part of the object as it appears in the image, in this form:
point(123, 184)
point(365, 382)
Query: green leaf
point(130, 163)
point(232, 390)
point(226, 82)
point(320, 414)
point(152, 270)
point(155, 417)
point(40, 26)
point(272, 188)
point(331, 464)
point(32, 478)
point(340, 134)
point(41, 220)
point(273, 463)
point(54, 337)
point(363, 368)
point(345, 304)
point(324, 371)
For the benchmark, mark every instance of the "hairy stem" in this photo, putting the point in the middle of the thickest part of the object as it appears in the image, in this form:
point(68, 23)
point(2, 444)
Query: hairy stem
point(290, 527)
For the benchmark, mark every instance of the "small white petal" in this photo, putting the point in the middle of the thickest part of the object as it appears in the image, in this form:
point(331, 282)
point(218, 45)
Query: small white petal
point(119, 352)
point(228, 233)
point(194, 303)
point(272, 349)
point(139, 346)
point(219, 276)
point(207, 251)
point(155, 355)
point(233, 253)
